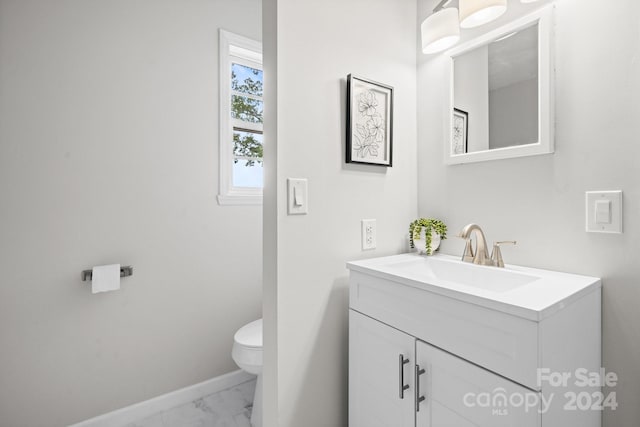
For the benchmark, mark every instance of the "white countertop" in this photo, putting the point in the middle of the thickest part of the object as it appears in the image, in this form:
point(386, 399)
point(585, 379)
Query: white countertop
point(530, 293)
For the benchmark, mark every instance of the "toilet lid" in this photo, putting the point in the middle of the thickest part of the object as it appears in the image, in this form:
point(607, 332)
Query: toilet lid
point(250, 335)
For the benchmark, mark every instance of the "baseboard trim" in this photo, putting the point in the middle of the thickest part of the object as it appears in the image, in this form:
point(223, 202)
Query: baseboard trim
point(139, 411)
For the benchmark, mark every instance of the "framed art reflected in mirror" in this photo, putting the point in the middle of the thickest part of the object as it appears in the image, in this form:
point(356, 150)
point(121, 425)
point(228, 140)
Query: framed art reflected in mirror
point(460, 131)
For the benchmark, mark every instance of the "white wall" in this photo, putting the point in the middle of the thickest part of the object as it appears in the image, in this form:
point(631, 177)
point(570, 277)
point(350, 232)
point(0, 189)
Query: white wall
point(539, 201)
point(317, 44)
point(471, 94)
point(108, 154)
point(270, 215)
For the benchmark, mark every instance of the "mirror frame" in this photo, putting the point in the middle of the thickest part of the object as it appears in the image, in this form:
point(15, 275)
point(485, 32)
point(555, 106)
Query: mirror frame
point(545, 145)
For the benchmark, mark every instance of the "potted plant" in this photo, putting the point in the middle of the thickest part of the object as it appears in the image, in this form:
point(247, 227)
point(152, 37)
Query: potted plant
point(425, 234)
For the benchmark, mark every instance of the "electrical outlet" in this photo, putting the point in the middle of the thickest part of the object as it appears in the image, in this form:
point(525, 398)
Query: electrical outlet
point(368, 234)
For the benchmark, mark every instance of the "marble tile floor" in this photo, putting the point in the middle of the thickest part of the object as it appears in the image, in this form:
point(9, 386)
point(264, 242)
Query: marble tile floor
point(227, 408)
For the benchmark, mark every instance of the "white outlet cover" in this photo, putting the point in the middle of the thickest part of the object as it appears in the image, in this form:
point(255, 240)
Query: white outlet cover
point(369, 234)
point(594, 205)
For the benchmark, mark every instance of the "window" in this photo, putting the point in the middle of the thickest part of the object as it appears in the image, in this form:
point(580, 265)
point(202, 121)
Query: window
point(241, 107)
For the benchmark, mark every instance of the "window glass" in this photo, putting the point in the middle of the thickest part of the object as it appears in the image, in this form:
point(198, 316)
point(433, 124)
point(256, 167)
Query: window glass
point(241, 117)
point(246, 109)
point(247, 145)
point(248, 176)
point(246, 79)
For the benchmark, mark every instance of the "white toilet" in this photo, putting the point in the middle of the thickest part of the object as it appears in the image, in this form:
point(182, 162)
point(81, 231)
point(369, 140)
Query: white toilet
point(247, 353)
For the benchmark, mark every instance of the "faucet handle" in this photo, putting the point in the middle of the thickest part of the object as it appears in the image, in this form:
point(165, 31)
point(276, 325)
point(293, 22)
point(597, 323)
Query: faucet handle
point(496, 254)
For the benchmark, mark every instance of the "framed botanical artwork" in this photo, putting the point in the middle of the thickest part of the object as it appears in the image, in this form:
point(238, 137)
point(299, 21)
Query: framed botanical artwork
point(369, 122)
point(460, 132)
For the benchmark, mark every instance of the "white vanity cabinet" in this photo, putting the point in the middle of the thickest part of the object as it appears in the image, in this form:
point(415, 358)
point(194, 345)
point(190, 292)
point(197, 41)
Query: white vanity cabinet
point(422, 356)
point(454, 386)
point(386, 364)
point(381, 366)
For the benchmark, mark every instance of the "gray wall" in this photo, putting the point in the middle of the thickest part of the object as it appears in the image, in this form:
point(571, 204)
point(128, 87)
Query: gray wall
point(317, 44)
point(539, 201)
point(509, 125)
point(108, 154)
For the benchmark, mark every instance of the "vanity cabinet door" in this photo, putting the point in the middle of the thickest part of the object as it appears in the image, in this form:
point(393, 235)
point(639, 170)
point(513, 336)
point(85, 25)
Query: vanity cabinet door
point(460, 394)
point(377, 374)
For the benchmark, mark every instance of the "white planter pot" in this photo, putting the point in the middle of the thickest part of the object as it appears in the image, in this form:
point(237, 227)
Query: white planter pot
point(421, 243)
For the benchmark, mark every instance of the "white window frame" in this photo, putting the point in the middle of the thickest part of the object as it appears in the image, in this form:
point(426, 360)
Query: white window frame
point(240, 50)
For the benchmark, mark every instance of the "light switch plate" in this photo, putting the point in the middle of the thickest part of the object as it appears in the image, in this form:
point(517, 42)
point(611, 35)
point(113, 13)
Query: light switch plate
point(297, 196)
point(604, 211)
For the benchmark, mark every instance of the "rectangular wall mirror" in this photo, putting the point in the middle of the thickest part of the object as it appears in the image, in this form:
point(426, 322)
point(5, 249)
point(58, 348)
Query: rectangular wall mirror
point(501, 97)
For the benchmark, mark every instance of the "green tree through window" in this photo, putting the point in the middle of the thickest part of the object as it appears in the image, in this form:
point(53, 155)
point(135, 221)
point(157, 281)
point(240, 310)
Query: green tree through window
point(247, 108)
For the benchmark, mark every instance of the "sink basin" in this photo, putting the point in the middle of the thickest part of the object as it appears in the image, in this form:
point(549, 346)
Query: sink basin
point(478, 276)
point(527, 292)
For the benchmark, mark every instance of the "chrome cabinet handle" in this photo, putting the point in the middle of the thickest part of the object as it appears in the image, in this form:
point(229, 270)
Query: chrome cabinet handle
point(402, 386)
point(417, 386)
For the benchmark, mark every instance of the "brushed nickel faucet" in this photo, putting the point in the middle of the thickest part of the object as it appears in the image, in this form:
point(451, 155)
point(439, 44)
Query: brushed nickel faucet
point(481, 254)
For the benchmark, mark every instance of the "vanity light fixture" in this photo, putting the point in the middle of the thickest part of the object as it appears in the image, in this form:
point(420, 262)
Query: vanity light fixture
point(474, 13)
point(441, 30)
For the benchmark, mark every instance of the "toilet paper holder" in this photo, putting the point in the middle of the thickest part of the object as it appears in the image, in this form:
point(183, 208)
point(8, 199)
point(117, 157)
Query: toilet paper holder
point(125, 271)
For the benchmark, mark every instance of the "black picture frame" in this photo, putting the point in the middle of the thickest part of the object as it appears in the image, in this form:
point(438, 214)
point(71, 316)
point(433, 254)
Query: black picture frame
point(369, 122)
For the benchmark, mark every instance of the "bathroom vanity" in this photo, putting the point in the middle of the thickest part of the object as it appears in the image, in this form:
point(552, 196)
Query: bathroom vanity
point(434, 341)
